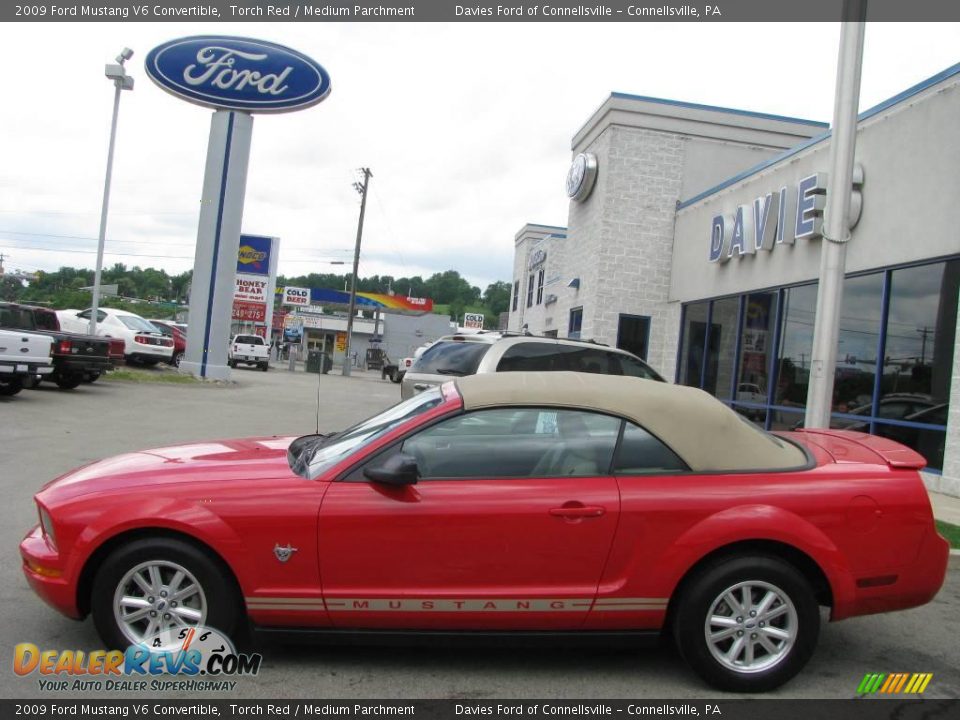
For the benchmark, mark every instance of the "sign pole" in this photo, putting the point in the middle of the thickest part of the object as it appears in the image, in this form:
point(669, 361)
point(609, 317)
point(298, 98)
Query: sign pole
point(218, 241)
point(356, 262)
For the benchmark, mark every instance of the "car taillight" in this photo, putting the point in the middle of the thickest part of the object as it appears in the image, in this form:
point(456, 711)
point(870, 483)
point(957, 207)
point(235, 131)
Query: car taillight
point(140, 339)
point(64, 347)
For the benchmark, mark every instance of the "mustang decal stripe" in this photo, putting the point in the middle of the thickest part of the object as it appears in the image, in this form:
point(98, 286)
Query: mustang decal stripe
point(407, 604)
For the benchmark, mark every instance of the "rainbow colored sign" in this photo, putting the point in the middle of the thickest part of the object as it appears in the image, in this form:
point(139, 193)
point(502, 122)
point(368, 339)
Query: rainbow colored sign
point(369, 301)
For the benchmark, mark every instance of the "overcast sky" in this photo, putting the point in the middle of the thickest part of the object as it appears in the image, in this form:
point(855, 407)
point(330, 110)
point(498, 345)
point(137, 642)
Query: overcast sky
point(466, 127)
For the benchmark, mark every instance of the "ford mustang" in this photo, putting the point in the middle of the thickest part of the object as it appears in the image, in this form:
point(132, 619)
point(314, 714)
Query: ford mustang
point(514, 504)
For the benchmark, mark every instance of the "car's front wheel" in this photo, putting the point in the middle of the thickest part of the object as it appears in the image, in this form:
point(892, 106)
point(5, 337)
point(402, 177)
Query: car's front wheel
point(747, 624)
point(153, 585)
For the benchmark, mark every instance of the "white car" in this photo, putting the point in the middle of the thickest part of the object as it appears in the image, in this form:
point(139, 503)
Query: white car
point(143, 342)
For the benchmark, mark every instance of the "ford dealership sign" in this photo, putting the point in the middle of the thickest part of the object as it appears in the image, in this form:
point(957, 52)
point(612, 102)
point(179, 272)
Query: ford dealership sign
point(238, 74)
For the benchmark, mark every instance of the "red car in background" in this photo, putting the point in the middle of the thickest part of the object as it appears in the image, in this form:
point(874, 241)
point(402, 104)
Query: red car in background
point(179, 339)
point(512, 504)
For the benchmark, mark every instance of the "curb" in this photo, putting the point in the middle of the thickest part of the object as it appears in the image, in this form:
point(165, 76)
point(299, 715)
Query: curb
point(954, 552)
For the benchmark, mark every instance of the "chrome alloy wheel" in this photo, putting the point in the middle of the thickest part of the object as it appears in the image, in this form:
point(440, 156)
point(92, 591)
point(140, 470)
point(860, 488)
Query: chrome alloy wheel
point(751, 627)
point(156, 596)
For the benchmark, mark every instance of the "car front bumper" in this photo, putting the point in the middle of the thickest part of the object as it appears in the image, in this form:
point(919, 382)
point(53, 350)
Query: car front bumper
point(43, 568)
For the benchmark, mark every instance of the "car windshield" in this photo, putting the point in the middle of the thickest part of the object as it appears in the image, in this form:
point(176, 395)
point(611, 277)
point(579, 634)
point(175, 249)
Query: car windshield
point(138, 324)
point(451, 357)
point(315, 455)
point(248, 340)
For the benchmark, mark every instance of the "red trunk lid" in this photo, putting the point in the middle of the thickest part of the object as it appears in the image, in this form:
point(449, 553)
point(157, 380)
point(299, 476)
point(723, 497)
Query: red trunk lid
point(858, 447)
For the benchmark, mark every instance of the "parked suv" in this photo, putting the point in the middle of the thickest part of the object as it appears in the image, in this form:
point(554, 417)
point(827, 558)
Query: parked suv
point(459, 355)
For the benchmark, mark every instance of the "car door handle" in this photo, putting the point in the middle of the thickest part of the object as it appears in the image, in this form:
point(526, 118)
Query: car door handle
point(578, 511)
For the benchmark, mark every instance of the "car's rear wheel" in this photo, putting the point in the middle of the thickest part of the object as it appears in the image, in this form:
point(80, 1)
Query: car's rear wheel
point(747, 624)
point(177, 357)
point(10, 387)
point(154, 585)
point(264, 366)
point(68, 382)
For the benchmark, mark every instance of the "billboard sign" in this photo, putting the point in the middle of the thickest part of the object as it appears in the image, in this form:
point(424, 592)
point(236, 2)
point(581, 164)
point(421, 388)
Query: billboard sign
point(235, 73)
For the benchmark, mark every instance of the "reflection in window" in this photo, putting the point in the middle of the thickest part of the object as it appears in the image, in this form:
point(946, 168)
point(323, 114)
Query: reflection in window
point(756, 348)
point(694, 342)
point(723, 340)
point(796, 343)
point(857, 342)
point(921, 328)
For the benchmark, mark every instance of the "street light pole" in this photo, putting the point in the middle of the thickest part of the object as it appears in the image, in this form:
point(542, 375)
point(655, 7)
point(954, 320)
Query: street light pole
point(121, 81)
point(360, 187)
point(833, 253)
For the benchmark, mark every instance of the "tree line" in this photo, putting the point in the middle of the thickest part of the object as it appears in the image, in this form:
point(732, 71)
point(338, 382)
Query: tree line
point(150, 287)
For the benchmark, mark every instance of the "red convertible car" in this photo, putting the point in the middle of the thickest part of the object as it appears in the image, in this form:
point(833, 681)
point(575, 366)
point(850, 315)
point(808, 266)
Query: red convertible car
point(512, 504)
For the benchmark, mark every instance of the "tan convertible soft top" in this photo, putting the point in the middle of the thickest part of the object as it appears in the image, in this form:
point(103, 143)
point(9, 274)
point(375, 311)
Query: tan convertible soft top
point(703, 431)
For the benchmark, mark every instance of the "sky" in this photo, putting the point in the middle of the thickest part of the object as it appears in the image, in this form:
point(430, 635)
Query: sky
point(466, 127)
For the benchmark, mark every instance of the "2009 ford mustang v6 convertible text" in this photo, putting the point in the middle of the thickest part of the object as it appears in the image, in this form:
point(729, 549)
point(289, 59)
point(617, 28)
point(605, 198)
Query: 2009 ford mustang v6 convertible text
point(516, 504)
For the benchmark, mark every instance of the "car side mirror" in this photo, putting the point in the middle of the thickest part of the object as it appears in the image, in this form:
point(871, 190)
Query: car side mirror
point(399, 469)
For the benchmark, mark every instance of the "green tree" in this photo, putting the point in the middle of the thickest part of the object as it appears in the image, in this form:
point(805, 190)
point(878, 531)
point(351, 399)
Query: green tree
point(497, 297)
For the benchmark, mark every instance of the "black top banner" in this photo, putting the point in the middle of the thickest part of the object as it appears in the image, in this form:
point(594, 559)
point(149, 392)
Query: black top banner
point(480, 11)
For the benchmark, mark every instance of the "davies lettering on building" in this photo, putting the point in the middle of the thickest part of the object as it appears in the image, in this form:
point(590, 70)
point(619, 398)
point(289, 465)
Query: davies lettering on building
point(778, 218)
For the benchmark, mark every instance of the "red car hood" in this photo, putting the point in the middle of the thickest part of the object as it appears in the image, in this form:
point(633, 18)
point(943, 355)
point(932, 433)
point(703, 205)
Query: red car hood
point(225, 461)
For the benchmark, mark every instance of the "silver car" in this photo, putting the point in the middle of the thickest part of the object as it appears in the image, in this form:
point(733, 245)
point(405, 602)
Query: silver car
point(459, 355)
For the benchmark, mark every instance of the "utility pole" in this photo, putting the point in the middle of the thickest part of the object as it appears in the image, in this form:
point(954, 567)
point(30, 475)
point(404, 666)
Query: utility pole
point(833, 254)
point(360, 187)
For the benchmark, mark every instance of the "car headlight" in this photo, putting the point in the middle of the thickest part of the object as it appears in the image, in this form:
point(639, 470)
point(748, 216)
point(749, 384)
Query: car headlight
point(46, 524)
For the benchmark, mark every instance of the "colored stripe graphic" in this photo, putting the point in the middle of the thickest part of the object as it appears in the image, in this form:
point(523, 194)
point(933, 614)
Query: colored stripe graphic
point(894, 683)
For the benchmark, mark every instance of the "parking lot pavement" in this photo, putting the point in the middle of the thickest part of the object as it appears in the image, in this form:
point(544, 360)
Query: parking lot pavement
point(46, 432)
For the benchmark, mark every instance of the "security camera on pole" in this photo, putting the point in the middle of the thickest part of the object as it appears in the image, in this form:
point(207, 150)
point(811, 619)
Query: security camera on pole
point(236, 77)
point(121, 81)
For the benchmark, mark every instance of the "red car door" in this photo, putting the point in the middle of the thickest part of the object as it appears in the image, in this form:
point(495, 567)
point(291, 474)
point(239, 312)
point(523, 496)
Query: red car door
point(509, 526)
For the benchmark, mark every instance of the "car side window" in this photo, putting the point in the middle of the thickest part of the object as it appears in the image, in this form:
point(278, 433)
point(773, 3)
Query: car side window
point(529, 356)
point(631, 367)
point(640, 453)
point(516, 443)
point(588, 360)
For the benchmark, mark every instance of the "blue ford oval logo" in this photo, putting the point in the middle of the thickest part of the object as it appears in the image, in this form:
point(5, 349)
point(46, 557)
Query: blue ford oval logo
point(238, 74)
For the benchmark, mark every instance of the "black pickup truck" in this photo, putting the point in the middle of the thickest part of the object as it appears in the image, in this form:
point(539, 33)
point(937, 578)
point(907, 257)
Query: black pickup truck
point(75, 357)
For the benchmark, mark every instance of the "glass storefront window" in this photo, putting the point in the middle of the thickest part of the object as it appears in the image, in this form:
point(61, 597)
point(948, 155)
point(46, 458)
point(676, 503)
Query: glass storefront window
point(718, 380)
point(916, 336)
point(756, 348)
point(860, 320)
point(796, 343)
point(694, 340)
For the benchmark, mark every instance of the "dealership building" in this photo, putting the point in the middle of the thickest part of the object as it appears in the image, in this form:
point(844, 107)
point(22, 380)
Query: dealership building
point(693, 239)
